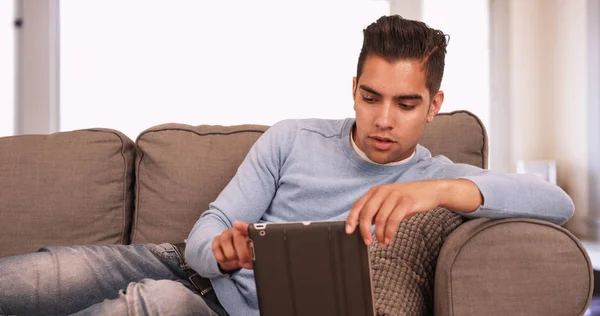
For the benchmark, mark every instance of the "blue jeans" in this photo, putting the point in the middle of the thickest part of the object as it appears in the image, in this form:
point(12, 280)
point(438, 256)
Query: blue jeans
point(96, 280)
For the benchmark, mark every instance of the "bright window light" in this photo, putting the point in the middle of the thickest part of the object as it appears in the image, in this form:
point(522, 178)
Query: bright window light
point(133, 64)
point(466, 80)
point(7, 74)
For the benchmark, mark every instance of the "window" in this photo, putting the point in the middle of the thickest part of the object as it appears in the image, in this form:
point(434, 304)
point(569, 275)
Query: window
point(7, 74)
point(466, 80)
point(133, 64)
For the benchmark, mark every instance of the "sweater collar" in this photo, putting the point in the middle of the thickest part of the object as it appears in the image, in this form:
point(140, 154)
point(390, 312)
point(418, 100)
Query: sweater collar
point(366, 164)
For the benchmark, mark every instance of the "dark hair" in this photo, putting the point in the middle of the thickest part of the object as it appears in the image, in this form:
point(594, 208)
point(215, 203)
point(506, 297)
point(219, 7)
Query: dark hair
point(394, 38)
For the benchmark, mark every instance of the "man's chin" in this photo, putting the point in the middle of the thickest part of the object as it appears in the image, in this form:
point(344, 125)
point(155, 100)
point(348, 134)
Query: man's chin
point(380, 159)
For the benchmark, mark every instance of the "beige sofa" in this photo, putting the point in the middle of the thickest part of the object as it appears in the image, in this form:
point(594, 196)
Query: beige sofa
point(97, 186)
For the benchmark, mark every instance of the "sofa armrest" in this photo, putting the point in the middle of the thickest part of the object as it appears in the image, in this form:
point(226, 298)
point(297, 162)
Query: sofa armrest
point(512, 267)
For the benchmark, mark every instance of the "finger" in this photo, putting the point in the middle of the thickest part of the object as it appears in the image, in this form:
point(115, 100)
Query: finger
point(241, 227)
point(216, 248)
point(242, 246)
point(397, 216)
point(367, 214)
point(227, 245)
point(382, 217)
point(250, 264)
point(355, 211)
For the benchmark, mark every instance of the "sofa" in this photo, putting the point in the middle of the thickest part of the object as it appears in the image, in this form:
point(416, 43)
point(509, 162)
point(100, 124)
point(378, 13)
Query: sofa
point(97, 186)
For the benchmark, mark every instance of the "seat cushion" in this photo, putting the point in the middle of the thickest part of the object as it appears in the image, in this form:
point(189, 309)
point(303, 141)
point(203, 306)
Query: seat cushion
point(180, 170)
point(64, 189)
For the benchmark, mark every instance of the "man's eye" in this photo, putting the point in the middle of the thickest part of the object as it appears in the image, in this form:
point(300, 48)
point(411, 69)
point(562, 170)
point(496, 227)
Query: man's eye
point(368, 100)
point(406, 106)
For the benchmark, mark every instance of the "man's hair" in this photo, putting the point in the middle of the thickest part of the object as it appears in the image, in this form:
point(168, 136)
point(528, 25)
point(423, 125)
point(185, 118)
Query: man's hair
point(394, 38)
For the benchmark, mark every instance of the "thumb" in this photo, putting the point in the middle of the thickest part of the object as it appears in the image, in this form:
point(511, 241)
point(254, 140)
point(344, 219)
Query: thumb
point(241, 227)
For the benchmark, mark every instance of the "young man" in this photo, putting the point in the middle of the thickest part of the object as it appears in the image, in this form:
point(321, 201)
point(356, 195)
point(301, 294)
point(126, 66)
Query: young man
point(370, 168)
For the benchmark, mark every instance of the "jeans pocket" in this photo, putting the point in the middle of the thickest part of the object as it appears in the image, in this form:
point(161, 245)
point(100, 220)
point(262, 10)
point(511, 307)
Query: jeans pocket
point(165, 251)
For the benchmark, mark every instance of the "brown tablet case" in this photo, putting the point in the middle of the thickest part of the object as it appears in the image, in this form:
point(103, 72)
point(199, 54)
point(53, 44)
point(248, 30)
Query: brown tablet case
point(311, 268)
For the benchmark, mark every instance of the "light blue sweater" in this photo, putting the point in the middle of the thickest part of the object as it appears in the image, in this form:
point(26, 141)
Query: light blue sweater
point(306, 170)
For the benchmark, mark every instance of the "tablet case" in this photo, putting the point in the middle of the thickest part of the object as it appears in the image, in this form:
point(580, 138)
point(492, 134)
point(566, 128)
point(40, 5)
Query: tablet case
point(311, 268)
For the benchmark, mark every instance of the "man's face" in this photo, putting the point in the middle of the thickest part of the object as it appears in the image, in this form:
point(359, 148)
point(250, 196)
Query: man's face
point(392, 105)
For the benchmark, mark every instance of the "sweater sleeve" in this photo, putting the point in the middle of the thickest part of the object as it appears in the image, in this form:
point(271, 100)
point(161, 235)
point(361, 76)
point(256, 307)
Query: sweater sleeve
point(511, 195)
point(245, 198)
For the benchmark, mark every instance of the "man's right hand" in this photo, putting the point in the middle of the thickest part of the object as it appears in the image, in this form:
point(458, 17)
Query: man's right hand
point(232, 248)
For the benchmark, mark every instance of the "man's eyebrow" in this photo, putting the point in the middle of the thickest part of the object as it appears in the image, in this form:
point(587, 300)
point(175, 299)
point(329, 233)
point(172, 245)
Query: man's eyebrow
point(396, 97)
point(370, 90)
point(408, 97)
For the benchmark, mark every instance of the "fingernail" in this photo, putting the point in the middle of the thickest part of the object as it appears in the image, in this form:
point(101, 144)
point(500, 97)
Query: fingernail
point(368, 241)
point(387, 240)
point(348, 229)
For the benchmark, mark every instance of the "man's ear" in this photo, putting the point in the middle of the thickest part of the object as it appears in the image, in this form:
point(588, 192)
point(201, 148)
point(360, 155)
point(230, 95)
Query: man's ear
point(436, 104)
point(353, 87)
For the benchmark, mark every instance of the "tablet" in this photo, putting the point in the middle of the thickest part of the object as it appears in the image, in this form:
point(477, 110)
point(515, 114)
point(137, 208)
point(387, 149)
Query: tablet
point(311, 268)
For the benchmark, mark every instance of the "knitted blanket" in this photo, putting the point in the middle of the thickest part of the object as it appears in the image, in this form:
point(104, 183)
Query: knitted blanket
point(403, 272)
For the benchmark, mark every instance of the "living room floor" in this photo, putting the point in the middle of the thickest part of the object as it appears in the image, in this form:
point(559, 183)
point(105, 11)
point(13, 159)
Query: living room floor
point(594, 309)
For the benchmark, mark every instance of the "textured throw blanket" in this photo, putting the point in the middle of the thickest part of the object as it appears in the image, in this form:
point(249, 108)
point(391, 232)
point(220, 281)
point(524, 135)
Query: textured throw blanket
point(403, 272)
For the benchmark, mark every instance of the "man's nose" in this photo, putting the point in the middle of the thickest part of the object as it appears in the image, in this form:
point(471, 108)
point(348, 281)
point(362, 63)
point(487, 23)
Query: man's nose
point(385, 117)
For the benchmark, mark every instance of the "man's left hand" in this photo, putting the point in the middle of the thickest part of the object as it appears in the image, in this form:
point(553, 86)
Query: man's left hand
point(387, 205)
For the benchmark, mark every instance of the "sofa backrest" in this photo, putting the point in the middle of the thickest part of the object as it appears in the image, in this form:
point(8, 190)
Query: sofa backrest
point(78, 187)
point(65, 189)
point(458, 135)
point(181, 169)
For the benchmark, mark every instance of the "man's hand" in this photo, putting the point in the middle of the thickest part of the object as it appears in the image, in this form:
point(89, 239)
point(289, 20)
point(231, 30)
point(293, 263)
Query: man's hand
point(232, 248)
point(387, 205)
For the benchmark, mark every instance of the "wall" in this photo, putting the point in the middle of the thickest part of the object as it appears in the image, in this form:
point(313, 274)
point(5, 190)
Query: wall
point(548, 92)
point(593, 68)
point(7, 68)
point(36, 63)
point(409, 9)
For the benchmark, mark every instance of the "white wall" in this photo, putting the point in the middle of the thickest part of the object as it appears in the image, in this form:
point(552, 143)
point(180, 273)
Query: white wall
point(409, 9)
point(201, 62)
point(593, 84)
point(37, 67)
point(6, 68)
point(466, 81)
point(548, 92)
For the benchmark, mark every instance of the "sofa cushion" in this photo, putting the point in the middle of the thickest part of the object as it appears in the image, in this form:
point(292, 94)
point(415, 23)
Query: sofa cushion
point(404, 270)
point(458, 135)
point(180, 170)
point(64, 189)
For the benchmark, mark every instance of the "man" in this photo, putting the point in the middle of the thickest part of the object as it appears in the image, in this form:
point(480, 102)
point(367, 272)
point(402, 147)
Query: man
point(370, 168)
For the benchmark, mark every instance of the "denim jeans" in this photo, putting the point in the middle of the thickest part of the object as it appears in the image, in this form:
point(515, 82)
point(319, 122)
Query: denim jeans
point(100, 280)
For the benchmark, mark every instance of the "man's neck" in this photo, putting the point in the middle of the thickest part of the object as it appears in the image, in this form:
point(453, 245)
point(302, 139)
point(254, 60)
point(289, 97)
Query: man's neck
point(364, 157)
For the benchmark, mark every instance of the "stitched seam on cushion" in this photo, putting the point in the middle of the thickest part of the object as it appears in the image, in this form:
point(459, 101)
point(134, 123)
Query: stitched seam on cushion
point(137, 195)
point(124, 198)
point(562, 230)
point(142, 155)
point(588, 262)
point(198, 133)
point(483, 141)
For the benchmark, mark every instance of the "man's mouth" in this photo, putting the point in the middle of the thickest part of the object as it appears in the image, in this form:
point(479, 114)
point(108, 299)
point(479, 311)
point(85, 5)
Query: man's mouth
point(382, 143)
point(383, 139)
